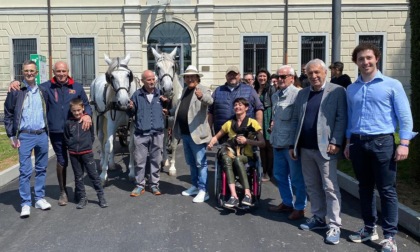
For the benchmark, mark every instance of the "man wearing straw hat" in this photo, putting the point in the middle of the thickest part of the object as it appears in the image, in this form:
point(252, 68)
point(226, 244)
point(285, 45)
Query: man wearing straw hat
point(192, 127)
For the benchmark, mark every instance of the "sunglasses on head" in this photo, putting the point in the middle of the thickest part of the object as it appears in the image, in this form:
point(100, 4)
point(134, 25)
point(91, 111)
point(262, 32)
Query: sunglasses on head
point(283, 77)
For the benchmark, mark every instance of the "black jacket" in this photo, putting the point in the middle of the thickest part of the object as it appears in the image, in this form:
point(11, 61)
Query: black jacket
point(78, 141)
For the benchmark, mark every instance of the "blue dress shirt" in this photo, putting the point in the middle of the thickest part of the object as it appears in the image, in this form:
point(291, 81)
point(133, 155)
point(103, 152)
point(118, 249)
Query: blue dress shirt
point(378, 107)
point(32, 113)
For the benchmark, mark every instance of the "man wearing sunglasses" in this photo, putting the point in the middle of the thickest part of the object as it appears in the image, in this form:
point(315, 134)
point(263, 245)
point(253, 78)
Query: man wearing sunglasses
point(287, 172)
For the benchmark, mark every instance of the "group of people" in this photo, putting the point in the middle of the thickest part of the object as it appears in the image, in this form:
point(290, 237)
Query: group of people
point(311, 128)
point(301, 133)
point(58, 108)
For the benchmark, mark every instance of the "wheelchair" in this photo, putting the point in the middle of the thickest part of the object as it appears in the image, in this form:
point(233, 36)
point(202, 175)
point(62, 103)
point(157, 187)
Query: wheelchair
point(254, 173)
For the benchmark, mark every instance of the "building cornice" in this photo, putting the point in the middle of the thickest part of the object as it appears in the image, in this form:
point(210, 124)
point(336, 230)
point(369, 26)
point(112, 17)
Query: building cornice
point(132, 9)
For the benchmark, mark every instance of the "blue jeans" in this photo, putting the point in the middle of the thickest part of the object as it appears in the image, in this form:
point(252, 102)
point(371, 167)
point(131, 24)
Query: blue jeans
point(38, 143)
point(288, 175)
point(373, 163)
point(195, 155)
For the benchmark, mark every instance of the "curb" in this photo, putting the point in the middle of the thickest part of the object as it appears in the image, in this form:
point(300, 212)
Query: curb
point(12, 173)
point(407, 217)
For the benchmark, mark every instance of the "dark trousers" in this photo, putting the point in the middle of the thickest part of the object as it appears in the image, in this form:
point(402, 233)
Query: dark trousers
point(80, 163)
point(267, 158)
point(60, 148)
point(373, 163)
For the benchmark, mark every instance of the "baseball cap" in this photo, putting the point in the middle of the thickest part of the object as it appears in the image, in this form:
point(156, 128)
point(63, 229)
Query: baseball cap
point(232, 69)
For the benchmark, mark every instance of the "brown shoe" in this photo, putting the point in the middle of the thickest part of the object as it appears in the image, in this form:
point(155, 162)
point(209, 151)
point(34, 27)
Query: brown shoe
point(282, 208)
point(296, 215)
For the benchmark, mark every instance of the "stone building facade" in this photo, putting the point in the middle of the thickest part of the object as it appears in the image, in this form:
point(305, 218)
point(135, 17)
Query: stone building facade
point(246, 33)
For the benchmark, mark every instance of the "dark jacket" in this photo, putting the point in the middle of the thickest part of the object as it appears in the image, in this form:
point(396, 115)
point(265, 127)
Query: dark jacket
point(77, 140)
point(148, 115)
point(267, 92)
point(343, 80)
point(13, 107)
point(58, 99)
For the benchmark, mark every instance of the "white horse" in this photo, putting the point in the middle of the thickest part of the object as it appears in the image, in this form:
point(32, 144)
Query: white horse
point(168, 83)
point(110, 94)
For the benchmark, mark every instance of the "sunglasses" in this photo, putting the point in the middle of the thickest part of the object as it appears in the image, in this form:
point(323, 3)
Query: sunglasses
point(283, 77)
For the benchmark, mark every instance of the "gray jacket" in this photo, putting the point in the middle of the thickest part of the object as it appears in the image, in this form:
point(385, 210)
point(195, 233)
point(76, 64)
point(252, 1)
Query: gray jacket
point(332, 118)
point(283, 104)
point(197, 117)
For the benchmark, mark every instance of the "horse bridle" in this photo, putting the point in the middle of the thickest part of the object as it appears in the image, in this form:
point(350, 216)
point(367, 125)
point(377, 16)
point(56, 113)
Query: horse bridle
point(166, 74)
point(125, 68)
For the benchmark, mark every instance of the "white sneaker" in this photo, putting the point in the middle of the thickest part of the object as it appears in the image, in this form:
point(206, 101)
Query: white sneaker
point(201, 197)
point(26, 211)
point(190, 191)
point(43, 204)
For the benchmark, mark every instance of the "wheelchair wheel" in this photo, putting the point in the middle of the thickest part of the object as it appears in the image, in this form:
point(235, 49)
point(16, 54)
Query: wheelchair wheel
point(218, 183)
point(257, 184)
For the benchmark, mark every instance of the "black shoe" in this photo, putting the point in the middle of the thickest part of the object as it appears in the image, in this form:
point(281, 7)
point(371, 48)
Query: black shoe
point(82, 203)
point(247, 200)
point(232, 202)
point(102, 202)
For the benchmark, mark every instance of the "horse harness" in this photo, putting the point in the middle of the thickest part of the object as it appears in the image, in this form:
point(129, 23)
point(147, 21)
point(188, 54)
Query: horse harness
point(112, 105)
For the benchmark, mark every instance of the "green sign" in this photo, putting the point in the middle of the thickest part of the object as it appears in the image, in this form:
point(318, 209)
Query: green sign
point(41, 65)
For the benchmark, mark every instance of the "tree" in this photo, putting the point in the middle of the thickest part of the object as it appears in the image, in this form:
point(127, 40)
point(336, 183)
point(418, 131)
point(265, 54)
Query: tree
point(414, 156)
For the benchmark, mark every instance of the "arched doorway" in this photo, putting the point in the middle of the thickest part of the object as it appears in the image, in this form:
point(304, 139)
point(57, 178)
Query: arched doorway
point(165, 37)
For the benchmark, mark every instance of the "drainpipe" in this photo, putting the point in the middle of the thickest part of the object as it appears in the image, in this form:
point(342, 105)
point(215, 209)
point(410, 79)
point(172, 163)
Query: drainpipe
point(49, 39)
point(336, 31)
point(286, 31)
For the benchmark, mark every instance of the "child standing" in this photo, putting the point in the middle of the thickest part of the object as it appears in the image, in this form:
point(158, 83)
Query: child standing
point(79, 143)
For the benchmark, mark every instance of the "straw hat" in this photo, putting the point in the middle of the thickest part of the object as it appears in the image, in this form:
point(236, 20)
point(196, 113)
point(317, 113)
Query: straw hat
point(191, 70)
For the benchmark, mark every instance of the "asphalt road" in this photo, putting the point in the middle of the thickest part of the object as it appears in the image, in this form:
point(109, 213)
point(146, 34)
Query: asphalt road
point(169, 222)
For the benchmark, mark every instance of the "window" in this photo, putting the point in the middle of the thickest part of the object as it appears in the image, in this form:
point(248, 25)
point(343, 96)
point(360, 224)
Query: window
point(312, 47)
point(82, 56)
point(164, 38)
point(255, 53)
point(22, 49)
point(377, 40)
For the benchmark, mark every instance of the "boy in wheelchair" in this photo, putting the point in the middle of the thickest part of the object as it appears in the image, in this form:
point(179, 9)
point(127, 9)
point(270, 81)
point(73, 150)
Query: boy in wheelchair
point(243, 133)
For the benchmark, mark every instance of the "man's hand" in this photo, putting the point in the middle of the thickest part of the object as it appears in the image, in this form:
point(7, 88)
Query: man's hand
point(333, 149)
point(87, 122)
point(163, 98)
point(14, 142)
point(401, 153)
point(131, 105)
point(292, 154)
point(198, 93)
point(14, 85)
point(347, 151)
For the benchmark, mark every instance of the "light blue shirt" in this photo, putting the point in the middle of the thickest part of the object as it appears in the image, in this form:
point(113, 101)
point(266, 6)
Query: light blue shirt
point(32, 114)
point(378, 107)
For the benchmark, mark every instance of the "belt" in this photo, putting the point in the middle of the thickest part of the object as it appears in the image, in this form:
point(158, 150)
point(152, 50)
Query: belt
point(33, 132)
point(369, 137)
